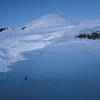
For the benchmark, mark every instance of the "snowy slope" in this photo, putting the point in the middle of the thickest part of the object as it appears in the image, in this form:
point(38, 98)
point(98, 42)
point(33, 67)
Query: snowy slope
point(48, 30)
point(88, 26)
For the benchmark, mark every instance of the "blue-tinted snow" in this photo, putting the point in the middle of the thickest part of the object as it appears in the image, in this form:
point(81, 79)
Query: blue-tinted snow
point(58, 66)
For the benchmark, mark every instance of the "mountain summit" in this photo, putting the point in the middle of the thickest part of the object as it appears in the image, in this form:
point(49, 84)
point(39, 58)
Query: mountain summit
point(50, 22)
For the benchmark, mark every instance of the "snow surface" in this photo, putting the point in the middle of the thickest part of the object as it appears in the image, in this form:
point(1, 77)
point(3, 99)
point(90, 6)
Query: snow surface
point(49, 30)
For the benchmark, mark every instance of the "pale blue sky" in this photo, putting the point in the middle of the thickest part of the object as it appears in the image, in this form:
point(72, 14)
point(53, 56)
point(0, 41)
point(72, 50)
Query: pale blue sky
point(14, 13)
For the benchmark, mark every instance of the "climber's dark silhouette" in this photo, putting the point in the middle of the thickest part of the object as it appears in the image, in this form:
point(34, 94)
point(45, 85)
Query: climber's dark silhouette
point(25, 78)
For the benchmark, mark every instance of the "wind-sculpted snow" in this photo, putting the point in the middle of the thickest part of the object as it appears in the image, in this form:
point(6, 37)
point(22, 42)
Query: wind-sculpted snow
point(12, 45)
point(11, 49)
point(50, 29)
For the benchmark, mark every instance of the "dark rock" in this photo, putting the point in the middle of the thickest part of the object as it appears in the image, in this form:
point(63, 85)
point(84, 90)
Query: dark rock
point(92, 36)
point(2, 29)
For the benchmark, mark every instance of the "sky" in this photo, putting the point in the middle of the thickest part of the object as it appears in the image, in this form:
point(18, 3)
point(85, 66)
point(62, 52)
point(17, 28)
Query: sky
point(16, 13)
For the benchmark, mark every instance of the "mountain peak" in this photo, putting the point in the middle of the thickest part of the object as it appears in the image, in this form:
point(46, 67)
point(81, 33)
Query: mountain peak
point(52, 16)
point(49, 21)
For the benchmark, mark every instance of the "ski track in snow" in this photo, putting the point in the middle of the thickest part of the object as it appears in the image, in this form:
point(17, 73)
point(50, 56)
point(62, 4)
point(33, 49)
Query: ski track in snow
point(50, 29)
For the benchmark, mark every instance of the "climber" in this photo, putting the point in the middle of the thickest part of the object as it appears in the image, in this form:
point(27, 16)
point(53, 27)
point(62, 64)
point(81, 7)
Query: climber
point(25, 78)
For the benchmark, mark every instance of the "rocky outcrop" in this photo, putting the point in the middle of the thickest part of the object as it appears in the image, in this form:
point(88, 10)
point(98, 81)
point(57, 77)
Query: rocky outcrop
point(2, 29)
point(92, 36)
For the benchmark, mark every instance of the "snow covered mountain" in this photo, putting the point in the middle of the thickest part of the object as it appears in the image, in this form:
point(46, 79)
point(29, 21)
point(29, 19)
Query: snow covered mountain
point(48, 30)
point(48, 23)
